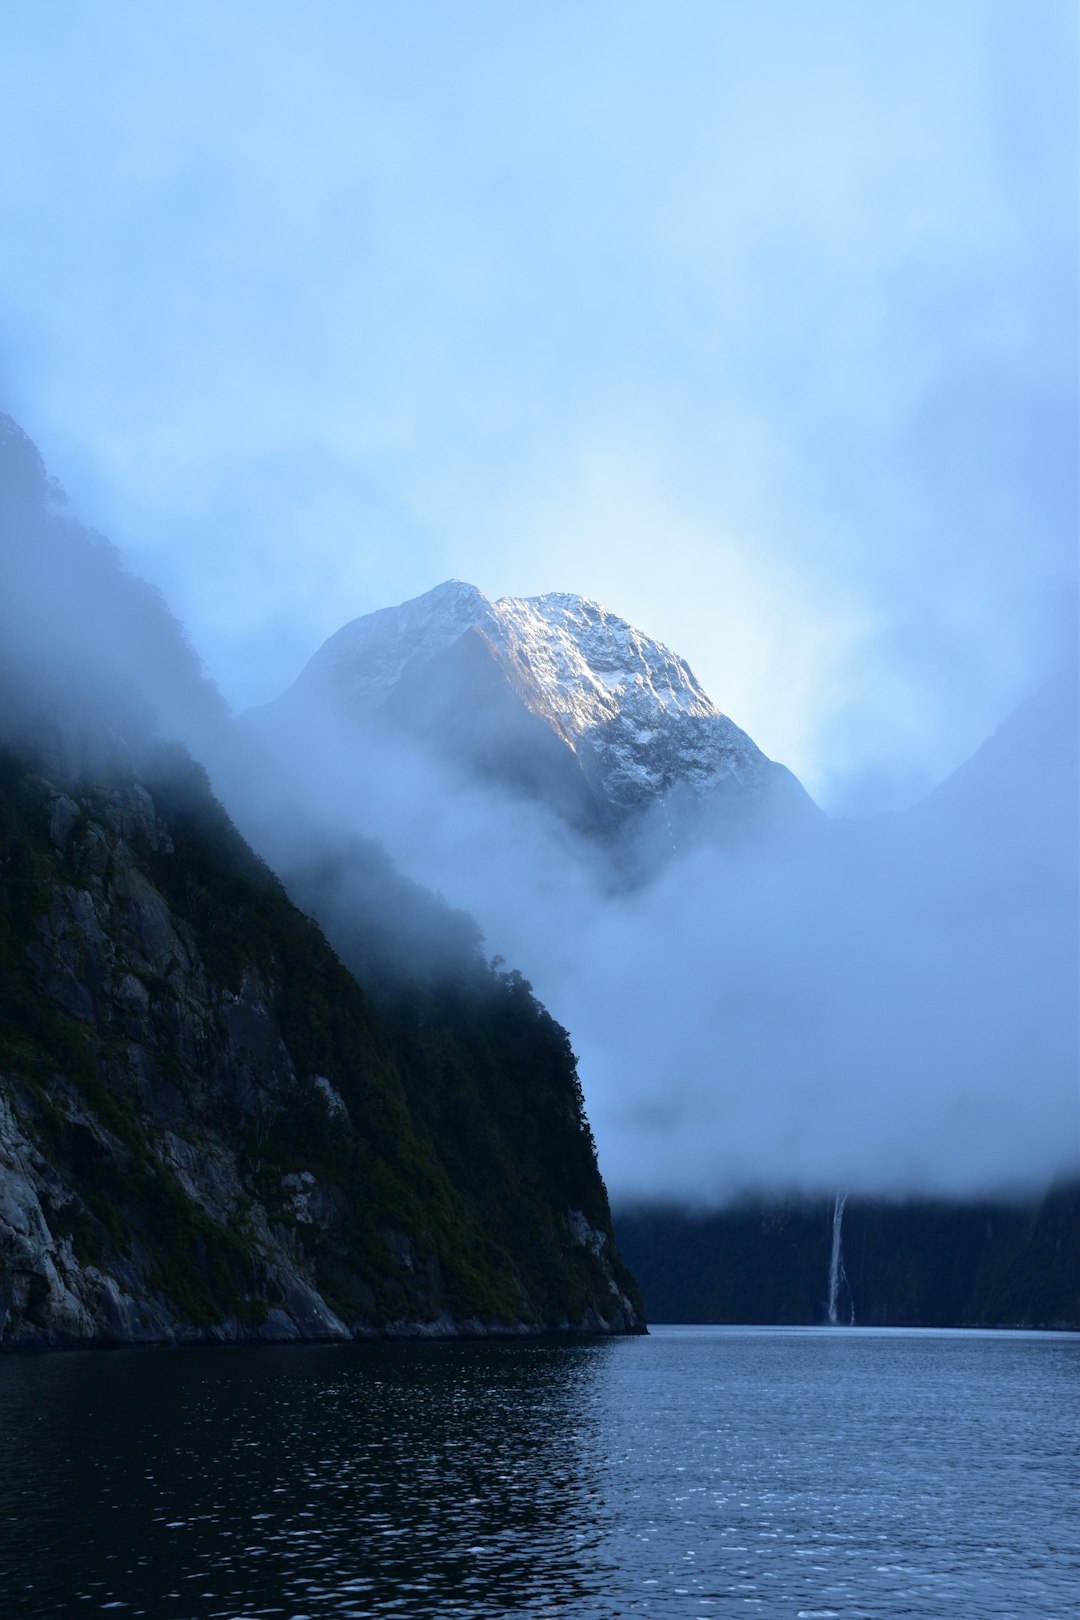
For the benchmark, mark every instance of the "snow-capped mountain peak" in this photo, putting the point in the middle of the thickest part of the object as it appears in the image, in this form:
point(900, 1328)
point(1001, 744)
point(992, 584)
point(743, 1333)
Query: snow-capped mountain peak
point(363, 661)
point(537, 688)
point(592, 665)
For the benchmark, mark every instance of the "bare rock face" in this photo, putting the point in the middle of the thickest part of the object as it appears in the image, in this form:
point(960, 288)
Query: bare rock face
point(180, 1051)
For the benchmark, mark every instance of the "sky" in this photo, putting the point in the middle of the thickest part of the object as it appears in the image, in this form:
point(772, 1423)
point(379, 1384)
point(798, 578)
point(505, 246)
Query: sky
point(758, 324)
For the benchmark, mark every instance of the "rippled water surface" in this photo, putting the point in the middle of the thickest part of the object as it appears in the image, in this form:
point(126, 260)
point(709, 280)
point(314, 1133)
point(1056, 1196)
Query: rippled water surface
point(699, 1472)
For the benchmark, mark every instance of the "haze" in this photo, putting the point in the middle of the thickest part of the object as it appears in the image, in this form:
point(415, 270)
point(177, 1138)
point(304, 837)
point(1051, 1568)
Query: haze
point(758, 325)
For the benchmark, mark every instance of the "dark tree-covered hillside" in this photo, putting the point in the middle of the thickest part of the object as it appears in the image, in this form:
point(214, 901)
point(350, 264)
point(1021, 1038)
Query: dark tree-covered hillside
point(207, 1128)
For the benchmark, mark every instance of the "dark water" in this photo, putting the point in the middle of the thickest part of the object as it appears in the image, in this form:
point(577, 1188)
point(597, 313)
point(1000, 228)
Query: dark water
point(700, 1472)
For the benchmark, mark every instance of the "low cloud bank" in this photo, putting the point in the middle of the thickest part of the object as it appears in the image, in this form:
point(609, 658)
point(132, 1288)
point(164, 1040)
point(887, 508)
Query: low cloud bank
point(889, 1008)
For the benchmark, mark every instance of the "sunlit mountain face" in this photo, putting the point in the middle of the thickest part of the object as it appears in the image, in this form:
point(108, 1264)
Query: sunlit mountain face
point(559, 701)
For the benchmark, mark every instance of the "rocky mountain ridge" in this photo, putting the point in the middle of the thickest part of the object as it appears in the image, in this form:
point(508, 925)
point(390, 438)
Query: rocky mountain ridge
point(555, 697)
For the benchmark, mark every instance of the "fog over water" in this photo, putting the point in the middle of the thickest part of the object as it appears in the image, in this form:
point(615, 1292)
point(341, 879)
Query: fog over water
point(888, 1007)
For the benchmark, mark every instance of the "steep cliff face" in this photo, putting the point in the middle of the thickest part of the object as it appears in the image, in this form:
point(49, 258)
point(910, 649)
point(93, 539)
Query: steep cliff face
point(206, 1131)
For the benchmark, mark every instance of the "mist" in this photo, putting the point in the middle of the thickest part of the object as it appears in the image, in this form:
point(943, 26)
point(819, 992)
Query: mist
point(887, 1007)
point(90, 653)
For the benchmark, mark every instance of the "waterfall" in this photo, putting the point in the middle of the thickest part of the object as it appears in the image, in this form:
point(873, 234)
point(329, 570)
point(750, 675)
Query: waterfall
point(837, 1274)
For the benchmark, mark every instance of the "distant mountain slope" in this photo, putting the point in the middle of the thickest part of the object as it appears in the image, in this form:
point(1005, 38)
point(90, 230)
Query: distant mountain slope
point(924, 1263)
point(556, 698)
point(1023, 777)
point(91, 645)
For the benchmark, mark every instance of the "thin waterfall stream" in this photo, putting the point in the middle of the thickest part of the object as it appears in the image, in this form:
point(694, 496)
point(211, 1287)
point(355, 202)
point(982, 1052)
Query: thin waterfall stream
point(837, 1274)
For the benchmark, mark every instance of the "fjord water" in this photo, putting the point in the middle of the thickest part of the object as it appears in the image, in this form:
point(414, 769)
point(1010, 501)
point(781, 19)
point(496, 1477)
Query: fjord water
point(701, 1471)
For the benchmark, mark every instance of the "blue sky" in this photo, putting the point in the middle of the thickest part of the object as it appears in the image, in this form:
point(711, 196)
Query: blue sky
point(756, 322)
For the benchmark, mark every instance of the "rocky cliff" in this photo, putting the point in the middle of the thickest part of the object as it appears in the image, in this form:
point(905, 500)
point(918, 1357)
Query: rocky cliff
point(207, 1129)
point(207, 1132)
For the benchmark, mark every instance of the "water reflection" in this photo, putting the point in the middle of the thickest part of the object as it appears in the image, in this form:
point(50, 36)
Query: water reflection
point(699, 1472)
point(344, 1480)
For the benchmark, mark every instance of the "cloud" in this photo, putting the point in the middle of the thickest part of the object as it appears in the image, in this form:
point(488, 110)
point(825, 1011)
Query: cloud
point(843, 1025)
point(367, 301)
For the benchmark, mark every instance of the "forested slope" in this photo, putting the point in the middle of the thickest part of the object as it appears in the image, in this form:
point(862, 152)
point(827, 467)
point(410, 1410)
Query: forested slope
point(207, 1129)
